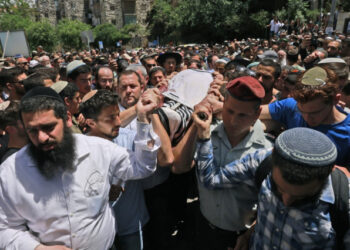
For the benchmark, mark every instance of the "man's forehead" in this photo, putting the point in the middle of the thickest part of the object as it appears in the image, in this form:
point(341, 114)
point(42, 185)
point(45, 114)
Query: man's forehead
point(105, 71)
point(40, 117)
point(109, 110)
point(129, 79)
point(84, 75)
point(263, 68)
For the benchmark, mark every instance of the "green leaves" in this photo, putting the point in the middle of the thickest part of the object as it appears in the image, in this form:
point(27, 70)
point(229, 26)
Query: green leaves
point(68, 32)
point(41, 33)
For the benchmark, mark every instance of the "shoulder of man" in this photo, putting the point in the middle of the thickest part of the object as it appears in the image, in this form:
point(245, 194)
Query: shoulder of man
point(339, 211)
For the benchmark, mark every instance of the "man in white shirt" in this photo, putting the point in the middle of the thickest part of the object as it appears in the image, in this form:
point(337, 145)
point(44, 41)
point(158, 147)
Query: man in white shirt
point(54, 192)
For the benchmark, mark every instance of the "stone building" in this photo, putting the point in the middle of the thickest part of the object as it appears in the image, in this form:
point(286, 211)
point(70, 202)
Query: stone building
point(94, 12)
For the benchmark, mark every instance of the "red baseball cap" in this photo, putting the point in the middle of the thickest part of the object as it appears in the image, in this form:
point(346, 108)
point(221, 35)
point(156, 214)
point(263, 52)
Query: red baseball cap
point(246, 88)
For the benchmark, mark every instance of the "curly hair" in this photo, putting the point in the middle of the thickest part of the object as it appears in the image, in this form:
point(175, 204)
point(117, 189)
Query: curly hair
point(303, 93)
point(93, 106)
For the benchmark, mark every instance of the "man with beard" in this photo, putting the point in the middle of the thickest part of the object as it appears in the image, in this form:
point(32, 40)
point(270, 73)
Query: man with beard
point(13, 81)
point(267, 73)
point(104, 78)
point(54, 192)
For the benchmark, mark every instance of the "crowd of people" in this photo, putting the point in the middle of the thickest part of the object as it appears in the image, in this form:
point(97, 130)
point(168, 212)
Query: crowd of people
point(96, 154)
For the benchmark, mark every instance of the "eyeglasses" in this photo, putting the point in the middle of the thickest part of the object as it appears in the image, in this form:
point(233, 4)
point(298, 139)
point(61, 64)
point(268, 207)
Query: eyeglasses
point(150, 65)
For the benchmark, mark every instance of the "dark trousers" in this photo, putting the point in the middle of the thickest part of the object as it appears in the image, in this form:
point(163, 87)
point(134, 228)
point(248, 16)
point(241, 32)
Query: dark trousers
point(166, 204)
point(209, 237)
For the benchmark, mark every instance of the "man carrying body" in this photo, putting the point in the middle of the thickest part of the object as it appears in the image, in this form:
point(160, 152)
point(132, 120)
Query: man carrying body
point(297, 198)
point(224, 214)
point(55, 190)
point(314, 105)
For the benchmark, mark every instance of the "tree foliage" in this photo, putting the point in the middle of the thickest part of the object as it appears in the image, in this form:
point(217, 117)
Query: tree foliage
point(42, 33)
point(68, 32)
point(14, 22)
point(109, 34)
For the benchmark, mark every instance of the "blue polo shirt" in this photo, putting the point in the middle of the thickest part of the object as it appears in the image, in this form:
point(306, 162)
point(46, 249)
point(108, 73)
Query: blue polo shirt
point(287, 113)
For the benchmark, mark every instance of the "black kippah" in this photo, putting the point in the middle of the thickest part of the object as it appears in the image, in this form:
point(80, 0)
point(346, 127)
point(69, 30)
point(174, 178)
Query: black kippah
point(42, 91)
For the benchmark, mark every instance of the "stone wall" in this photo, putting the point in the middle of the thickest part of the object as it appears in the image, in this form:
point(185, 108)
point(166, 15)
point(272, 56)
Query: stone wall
point(142, 8)
point(91, 11)
point(111, 12)
point(47, 10)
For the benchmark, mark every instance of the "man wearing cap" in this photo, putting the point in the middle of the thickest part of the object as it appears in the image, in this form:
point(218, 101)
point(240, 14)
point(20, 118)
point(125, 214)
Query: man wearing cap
point(69, 92)
point(224, 214)
point(340, 68)
point(315, 105)
point(219, 66)
point(296, 194)
point(169, 61)
point(80, 74)
point(54, 192)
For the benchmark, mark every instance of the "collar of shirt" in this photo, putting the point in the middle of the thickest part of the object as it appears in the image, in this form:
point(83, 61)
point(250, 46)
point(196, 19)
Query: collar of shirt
point(256, 135)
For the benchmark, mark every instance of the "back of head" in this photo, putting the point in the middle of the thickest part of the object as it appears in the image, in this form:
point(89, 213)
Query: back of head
point(304, 155)
point(34, 80)
point(314, 83)
point(10, 115)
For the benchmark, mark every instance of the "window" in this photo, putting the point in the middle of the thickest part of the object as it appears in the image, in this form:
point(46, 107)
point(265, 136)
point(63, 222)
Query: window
point(114, 21)
point(129, 6)
point(129, 18)
point(112, 7)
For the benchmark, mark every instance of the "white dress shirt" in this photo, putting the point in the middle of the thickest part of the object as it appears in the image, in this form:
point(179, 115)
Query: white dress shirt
point(71, 209)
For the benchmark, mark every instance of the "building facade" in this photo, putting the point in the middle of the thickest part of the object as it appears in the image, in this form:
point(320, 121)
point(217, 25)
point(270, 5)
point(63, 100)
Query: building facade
point(95, 12)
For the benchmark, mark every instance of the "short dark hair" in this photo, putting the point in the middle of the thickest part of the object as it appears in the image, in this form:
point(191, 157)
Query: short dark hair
point(93, 106)
point(271, 63)
point(156, 69)
point(43, 103)
point(69, 91)
point(50, 72)
point(83, 69)
point(34, 80)
point(299, 174)
point(11, 75)
point(129, 72)
point(10, 115)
